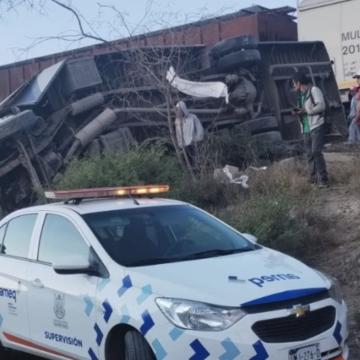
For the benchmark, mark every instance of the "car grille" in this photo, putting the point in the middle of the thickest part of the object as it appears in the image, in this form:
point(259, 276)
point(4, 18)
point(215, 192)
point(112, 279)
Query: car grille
point(292, 328)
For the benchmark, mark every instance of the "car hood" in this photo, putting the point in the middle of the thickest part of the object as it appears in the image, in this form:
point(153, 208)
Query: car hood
point(244, 279)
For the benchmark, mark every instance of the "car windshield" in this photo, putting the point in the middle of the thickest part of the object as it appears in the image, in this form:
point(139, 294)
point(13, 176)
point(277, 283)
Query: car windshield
point(164, 234)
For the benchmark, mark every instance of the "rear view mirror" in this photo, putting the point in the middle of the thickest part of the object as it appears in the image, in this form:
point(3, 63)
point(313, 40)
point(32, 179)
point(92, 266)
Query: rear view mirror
point(75, 264)
point(250, 237)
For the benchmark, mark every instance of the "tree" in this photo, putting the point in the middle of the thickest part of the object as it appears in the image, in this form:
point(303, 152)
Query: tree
point(144, 64)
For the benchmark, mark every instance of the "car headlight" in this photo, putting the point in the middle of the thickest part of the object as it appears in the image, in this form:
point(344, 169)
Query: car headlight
point(197, 316)
point(335, 289)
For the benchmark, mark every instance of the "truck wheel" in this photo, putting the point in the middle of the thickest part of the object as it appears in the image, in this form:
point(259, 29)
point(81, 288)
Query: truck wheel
point(6, 354)
point(16, 123)
point(136, 347)
point(269, 137)
point(257, 126)
point(234, 44)
point(239, 58)
point(121, 139)
point(271, 143)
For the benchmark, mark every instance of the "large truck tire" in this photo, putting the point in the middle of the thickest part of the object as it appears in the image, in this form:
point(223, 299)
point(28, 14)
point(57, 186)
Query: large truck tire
point(120, 140)
point(269, 137)
point(271, 143)
point(16, 124)
point(258, 126)
point(234, 44)
point(136, 347)
point(239, 58)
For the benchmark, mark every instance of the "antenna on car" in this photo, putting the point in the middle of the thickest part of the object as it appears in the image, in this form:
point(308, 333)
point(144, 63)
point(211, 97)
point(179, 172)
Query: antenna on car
point(133, 199)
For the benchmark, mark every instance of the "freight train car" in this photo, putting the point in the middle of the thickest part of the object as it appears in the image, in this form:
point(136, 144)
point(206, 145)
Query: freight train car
point(340, 33)
point(264, 24)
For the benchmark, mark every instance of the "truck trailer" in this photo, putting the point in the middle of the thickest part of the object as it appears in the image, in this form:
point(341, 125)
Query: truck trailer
point(263, 23)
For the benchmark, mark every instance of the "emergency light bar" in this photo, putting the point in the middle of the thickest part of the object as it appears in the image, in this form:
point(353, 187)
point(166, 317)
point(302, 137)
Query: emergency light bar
point(107, 192)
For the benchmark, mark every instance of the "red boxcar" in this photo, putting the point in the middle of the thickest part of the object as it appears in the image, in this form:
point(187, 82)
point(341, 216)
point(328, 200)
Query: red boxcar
point(265, 24)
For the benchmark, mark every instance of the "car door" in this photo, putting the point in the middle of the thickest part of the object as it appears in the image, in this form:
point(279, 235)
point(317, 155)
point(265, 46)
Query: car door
point(61, 307)
point(15, 238)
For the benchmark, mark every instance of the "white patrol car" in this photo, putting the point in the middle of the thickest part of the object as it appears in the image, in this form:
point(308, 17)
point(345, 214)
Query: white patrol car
point(138, 278)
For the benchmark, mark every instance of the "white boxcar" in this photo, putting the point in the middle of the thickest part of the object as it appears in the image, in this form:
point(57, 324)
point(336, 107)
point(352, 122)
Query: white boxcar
point(336, 23)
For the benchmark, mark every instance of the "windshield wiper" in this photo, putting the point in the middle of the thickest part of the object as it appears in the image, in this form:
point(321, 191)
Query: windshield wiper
point(198, 255)
point(153, 261)
point(219, 252)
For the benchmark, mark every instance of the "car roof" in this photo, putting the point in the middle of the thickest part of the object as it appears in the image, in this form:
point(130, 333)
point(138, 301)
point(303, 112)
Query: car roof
point(88, 206)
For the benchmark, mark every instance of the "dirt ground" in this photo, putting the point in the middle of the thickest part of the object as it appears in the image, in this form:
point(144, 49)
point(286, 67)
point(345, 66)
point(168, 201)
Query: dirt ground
point(342, 259)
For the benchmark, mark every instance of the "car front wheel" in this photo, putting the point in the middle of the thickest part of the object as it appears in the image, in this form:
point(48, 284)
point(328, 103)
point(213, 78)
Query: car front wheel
point(136, 347)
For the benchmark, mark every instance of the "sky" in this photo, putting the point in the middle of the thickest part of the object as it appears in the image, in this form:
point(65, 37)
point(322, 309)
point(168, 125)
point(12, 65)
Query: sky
point(28, 33)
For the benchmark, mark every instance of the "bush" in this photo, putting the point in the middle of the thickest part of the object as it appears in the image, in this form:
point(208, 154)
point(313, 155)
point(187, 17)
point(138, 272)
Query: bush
point(266, 217)
point(282, 221)
point(145, 166)
point(140, 166)
point(223, 147)
point(208, 193)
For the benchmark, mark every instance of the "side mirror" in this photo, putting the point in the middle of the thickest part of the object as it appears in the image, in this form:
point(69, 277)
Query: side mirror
point(75, 264)
point(250, 237)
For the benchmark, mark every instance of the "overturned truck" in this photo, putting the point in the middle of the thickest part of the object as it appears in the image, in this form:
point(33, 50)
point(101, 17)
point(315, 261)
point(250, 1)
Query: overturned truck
point(118, 99)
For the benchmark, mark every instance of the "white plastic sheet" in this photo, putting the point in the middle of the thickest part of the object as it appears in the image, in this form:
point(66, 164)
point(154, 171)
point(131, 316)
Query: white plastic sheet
point(198, 89)
point(241, 180)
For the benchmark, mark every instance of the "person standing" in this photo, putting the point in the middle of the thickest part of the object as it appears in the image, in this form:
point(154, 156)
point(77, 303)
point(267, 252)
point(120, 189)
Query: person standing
point(355, 106)
point(352, 92)
point(189, 131)
point(354, 129)
point(311, 108)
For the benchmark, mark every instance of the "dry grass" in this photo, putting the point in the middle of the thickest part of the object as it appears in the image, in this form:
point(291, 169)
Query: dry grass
point(317, 235)
point(280, 178)
point(346, 173)
point(292, 174)
point(291, 224)
point(282, 210)
point(356, 317)
point(280, 207)
point(289, 177)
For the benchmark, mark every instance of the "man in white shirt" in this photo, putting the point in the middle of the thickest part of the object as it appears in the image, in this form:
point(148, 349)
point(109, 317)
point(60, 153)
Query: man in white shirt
point(189, 130)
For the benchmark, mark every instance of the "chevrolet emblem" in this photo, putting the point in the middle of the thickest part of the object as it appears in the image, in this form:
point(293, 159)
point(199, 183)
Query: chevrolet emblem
point(299, 310)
